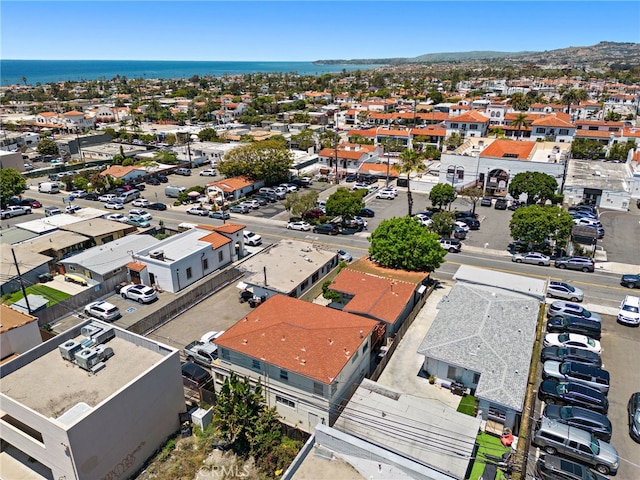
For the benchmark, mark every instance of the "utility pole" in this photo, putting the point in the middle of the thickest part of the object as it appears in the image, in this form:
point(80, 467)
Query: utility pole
point(24, 292)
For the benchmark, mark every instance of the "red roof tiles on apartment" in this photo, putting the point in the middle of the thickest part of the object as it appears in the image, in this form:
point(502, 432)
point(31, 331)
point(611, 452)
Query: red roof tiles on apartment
point(469, 117)
point(298, 336)
point(509, 148)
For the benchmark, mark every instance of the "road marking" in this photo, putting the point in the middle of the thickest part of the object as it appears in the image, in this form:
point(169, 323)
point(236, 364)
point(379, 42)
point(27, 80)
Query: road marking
point(130, 309)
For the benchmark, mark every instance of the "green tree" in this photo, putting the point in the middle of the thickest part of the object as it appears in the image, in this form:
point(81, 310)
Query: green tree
point(573, 96)
point(410, 161)
point(46, 146)
point(520, 102)
point(520, 122)
point(346, 203)
point(612, 116)
point(405, 244)
point(304, 140)
point(536, 223)
point(297, 204)
point(443, 223)
point(269, 161)
point(170, 139)
point(474, 194)
point(208, 135)
point(587, 149)
point(620, 151)
point(12, 183)
point(442, 194)
point(538, 186)
point(453, 141)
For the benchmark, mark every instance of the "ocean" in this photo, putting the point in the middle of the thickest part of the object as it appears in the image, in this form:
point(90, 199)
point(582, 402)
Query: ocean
point(46, 71)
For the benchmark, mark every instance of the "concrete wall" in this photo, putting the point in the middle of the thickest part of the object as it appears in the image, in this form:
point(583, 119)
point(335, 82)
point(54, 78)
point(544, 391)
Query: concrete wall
point(19, 340)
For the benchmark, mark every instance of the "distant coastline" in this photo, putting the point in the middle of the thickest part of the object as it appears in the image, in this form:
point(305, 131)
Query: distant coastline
point(46, 71)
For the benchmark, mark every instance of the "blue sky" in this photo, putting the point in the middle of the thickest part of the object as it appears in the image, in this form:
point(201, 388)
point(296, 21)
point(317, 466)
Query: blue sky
point(303, 30)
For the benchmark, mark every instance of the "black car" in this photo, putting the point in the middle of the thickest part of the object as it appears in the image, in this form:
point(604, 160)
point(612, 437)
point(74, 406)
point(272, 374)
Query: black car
point(195, 373)
point(571, 354)
point(460, 215)
point(367, 212)
point(596, 423)
point(153, 181)
point(92, 196)
point(266, 196)
point(569, 393)
point(261, 200)
point(156, 206)
point(584, 264)
point(140, 186)
point(501, 204)
point(551, 467)
point(583, 326)
point(633, 413)
point(630, 280)
point(485, 202)
point(327, 229)
point(350, 178)
point(163, 179)
point(472, 223)
point(459, 233)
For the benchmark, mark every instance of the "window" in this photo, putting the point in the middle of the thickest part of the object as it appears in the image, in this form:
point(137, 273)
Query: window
point(255, 365)
point(189, 272)
point(540, 130)
point(284, 375)
point(476, 378)
point(454, 125)
point(285, 401)
point(225, 354)
point(355, 355)
point(318, 388)
point(220, 255)
point(473, 126)
point(205, 264)
point(452, 372)
point(563, 131)
point(365, 347)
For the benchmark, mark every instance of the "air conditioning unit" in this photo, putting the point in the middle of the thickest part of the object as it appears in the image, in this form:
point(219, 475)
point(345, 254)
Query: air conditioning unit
point(90, 329)
point(87, 358)
point(69, 349)
point(157, 254)
point(104, 352)
point(104, 335)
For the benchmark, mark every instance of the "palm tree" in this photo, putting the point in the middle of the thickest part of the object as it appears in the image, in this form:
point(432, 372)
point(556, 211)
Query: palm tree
point(410, 161)
point(519, 122)
point(571, 96)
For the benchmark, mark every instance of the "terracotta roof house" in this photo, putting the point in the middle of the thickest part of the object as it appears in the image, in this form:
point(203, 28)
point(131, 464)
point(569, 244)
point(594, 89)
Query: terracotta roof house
point(309, 358)
point(469, 124)
point(350, 157)
point(236, 187)
point(19, 332)
point(125, 174)
point(555, 128)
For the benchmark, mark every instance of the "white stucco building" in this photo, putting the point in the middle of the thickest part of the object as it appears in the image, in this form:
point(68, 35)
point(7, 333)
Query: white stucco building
point(91, 410)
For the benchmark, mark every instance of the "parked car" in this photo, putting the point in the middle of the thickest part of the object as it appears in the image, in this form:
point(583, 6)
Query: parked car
point(327, 229)
point(78, 194)
point(452, 245)
point(360, 186)
point(94, 197)
point(261, 200)
point(462, 226)
point(629, 313)
point(501, 204)
point(564, 290)
point(553, 392)
point(392, 190)
point(139, 293)
point(350, 178)
point(183, 171)
point(572, 340)
point(291, 187)
point(554, 437)
point(575, 263)
point(252, 238)
point(385, 195)
point(593, 422)
point(561, 308)
point(252, 203)
point(315, 212)
point(140, 202)
point(593, 377)
point(533, 258)
point(102, 310)
point(485, 202)
point(117, 217)
point(630, 280)
point(239, 209)
point(163, 179)
point(138, 212)
point(208, 172)
point(157, 206)
point(575, 325)
point(304, 226)
point(153, 181)
point(195, 373)
point(633, 414)
point(220, 214)
point(269, 197)
point(472, 223)
point(114, 205)
point(459, 233)
point(203, 212)
point(367, 212)
point(138, 222)
point(72, 208)
point(551, 467)
point(344, 256)
point(570, 354)
point(107, 197)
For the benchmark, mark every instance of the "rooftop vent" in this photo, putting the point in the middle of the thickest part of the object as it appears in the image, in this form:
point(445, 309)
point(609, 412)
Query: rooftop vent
point(157, 254)
point(69, 349)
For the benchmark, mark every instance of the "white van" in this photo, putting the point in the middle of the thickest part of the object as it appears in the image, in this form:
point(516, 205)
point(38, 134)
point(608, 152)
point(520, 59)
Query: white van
point(48, 187)
point(172, 191)
point(629, 313)
point(129, 196)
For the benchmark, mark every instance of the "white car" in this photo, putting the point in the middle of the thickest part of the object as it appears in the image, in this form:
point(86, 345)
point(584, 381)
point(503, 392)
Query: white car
point(140, 202)
point(463, 226)
point(290, 187)
point(210, 337)
point(102, 310)
point(138, 212)
point(117, 217)
point(252, 203)
point(198, 211)
point(385, 195)
point(107, 197)
point(114, 205)
point(72, 208)
point(139, 293)
point(209, 172)
point(304, 226)
point(572, 340)
point(564, 290)
point(533, 258)
point(78, 194)
point(360, 186)
point(393, 190)
point(251, 238)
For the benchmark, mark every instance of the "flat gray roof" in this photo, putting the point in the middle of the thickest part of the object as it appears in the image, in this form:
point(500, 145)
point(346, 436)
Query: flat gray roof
point(490, 331)
point(63, 384)
point(179, 246)
point(11, 235)
point(97, 227)
point(601, 175)
point(288, 263)
point(507, 281)
point(57, 240)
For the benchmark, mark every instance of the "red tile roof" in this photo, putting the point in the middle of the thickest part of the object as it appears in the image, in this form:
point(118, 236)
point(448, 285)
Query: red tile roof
point(593, 134)
point(215, 239)
point(500, 148)
point(555, 120)
point(472, 116)
point(298, 336)
point(136, 266)
point(118, 171)
point(232, 184)
point(229, 228)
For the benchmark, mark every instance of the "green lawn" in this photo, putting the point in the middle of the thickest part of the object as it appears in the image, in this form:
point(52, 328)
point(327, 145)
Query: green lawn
point(487, 444)
point(468, 405)
point(54, 296)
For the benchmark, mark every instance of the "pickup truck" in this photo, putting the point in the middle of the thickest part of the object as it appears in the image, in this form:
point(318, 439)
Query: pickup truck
point(14, 211)
point(200, 352)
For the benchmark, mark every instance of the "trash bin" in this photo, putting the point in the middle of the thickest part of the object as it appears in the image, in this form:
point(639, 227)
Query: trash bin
point(458, 388)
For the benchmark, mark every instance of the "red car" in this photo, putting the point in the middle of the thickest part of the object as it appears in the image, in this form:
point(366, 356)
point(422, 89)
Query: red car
point(314, 213)
point(30, 202)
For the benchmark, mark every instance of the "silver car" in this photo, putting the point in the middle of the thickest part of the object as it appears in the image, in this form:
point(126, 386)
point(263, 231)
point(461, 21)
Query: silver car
point(533, 258)
point(564, 290)
point(571, 310)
